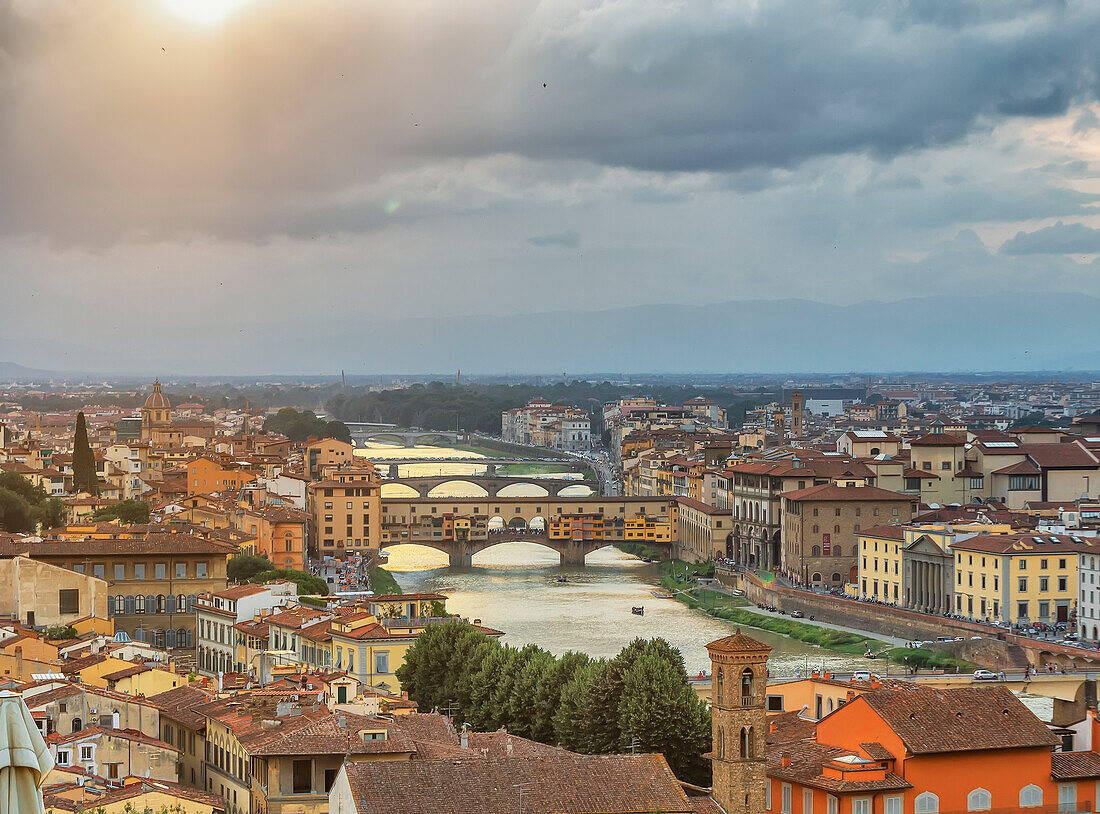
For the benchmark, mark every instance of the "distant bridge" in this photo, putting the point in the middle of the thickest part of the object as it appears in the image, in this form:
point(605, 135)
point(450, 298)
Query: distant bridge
point(406, 437)
point(492, 484)
point(490, 464)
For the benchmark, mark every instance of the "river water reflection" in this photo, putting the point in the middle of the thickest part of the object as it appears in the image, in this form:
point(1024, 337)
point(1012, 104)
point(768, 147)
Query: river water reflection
point(513, 587)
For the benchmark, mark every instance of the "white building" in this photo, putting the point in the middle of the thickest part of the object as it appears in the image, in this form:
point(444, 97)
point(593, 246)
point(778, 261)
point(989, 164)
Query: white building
point(217, 613)
point(1088, 599)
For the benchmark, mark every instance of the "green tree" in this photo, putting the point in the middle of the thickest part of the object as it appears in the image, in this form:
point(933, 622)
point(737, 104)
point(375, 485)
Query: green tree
point(580, 708)
point(243, 567)
point(659, 712)
point(547, 695)
point(24, 506)
point(125, 511)
point(84, 476)
point(301, 426)
point(307, 583)
point(484, 715)
point(437, 668)
point(523, 713)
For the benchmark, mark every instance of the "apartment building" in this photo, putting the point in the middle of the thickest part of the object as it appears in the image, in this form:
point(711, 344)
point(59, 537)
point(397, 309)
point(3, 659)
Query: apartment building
point(1029, 577)
point(345, 512)
point(218, 613)
point(543, 424)
point(821, 526)
point(280, 533)
point(153, 578)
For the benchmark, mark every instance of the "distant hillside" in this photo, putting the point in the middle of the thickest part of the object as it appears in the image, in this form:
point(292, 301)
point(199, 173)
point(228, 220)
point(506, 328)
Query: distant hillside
point(999, 332)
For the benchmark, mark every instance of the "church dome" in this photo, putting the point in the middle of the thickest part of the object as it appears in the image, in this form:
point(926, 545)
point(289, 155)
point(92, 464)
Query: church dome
point(157, 400)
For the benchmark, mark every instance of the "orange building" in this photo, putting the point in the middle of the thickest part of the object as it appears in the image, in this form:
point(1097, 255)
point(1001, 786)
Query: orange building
point(280, 535)
point(207, 474)
point(908, 750)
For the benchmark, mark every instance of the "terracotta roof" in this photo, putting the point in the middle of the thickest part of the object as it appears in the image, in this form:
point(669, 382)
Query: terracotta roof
point(1074, 765)
point(149, 544)
point(937, 439)
point(876, 751)
point(560, 783)
point(126, 672)
point(832, 492)
point(739, 643)
point(1058, 456)
point(884, 532)
point(959, 720)
point(180, 703)
point(807, 761)
point(334, 734)
point(789, 727)
point(1024, 467)
point(1029, 543)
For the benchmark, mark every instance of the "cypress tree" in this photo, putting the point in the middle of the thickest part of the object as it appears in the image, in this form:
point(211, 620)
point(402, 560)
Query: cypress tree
point(84, 477)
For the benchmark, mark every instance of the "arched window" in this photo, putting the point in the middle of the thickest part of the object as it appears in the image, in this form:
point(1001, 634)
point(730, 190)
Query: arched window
point(746, 743)
point(746, 687)
point(191, 598)
point(158, 639)
point(170, 603)
point(150, 604)
point(720, 746)
point(719, 676)
point(1031, 796)
point(183, 637)
point(836, 577)
point(161, 606)
point(139, 604)
point(170, 638)
point(926, 803)
point(181, 603)
point(815, 551)
point(816, 578)
point(77, 725)
point(979, 800)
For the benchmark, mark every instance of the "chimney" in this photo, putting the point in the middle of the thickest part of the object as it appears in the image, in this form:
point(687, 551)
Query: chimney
point(772, 728)
point(464, 737)
point(508, 746)
point(827, 675)
point(342, 721)
point(785, 760)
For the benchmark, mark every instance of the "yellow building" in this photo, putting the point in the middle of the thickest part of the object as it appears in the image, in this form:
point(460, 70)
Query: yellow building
point(643, 529)
point(1014, 578)
point(911, 566)
point(137, 794)
point(345, 512)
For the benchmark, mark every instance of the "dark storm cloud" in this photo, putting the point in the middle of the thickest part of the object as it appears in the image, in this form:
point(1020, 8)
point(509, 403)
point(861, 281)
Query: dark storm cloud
point(119, 123)
point(1061, 238)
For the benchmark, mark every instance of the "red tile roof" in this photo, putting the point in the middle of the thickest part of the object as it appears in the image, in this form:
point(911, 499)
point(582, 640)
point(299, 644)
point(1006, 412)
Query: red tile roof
point(831, 492)
point(563, 784)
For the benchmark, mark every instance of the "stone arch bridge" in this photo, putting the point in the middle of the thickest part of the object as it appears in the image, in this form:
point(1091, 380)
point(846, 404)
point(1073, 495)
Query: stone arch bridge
point(492, 484)
point(461, 527)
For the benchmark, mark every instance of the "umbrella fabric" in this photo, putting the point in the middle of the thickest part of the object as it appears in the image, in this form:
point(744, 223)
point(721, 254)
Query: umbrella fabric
point(24, 758)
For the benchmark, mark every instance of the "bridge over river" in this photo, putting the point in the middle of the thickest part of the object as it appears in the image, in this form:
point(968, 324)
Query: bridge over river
point(492, 484)
point(572, 526)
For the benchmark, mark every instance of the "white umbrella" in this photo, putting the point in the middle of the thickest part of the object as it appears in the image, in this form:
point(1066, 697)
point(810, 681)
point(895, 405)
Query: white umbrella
point(24, 759)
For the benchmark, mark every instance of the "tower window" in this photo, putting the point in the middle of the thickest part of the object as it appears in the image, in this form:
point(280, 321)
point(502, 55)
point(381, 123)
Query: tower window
point(746, 687)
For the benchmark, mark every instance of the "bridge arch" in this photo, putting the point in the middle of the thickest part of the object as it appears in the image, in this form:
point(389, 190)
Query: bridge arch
point(398, 490)
point(441, 489)
point(518, 489)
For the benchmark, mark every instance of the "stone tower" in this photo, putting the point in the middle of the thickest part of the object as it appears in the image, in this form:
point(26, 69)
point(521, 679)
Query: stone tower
point(739, 667)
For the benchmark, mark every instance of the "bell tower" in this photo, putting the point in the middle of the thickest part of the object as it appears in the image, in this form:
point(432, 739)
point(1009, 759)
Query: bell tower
point(739, 669)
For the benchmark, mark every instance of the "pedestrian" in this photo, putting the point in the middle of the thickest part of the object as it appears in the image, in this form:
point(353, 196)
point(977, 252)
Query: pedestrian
point(798, 672)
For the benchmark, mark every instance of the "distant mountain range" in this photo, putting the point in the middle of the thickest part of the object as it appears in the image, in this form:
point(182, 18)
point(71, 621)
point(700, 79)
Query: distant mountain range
point(1004, 332)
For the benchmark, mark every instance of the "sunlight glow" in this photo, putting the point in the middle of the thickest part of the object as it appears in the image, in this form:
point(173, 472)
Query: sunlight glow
point(204, 12)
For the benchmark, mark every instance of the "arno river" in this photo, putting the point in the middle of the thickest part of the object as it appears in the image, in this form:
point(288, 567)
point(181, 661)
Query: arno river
point(513, 587)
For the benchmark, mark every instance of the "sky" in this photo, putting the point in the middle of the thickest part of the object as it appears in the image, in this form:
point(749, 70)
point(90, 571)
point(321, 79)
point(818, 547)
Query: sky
point(201, 194)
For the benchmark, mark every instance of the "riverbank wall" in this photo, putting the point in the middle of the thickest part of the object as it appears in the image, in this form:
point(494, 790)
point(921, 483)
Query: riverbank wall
point(877, 619)
point(999, 648)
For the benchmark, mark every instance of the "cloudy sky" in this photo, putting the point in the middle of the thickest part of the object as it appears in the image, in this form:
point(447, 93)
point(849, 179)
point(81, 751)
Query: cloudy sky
point(193, 193)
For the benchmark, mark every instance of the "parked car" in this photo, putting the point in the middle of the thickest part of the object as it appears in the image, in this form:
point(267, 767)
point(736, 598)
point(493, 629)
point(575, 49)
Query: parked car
point(862, 675)
point(985, 675)
point(975, 638)
point(797, 614)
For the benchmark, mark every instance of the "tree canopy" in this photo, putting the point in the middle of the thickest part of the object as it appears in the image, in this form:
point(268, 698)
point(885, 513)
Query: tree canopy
point(301, 426)
point(438, 406)
point(307, 583)
point(23, 506)
point(125, 511)
point(243, 567)
point(640, 698)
